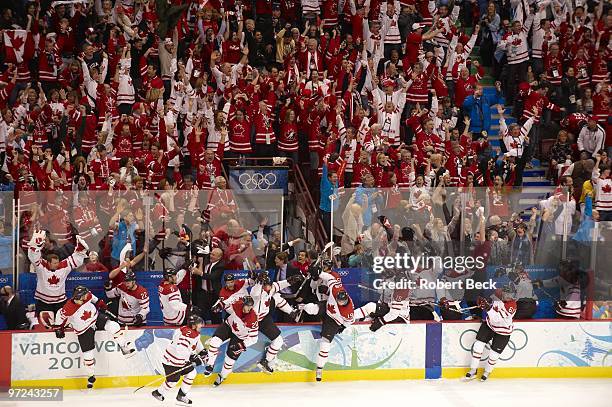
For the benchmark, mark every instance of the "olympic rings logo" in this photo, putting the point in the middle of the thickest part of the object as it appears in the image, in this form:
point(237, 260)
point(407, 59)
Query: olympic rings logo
point(342, 273)
point(257, 180)
point(516, 343)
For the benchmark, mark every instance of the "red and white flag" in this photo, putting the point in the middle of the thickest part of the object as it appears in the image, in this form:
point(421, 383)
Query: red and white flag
point(15, 42)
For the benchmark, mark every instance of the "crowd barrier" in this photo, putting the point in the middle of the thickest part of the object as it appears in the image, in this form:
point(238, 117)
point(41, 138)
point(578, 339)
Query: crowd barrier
point(354, 280)
point(396, 351)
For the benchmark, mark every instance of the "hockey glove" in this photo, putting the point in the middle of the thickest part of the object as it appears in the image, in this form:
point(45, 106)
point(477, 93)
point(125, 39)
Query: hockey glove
point(443, 303)
point(483, 303)
point(295, 279)
point(138, 320)
point(59, 333)
point(237, 347)
point(196, 359)
point(101, 305)
point(376, 324)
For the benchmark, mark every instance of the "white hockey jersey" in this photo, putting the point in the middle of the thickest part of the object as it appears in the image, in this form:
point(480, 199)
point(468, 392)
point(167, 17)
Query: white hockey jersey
point(399, 304)
point(228, 297)
point(330, 280)
point(185, 342)
point(51, 284)
point(568, 292)
point(133, 302)
point(343, 315)
point(170, 300)
point(244, 325)
point(262, 298)
point(422, 294)
point(499, 317)
point(79, 317)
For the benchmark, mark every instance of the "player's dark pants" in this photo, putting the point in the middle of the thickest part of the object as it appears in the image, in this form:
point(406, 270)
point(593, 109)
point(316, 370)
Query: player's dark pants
point(486, 334)
point(224, 332)
point(268, 327)
point(174, 373)
point(44, 306)
point(451, 314)
point(330, 328)
point(86, 339)
point(421, 313)
point(52, 308)
point(525, 308)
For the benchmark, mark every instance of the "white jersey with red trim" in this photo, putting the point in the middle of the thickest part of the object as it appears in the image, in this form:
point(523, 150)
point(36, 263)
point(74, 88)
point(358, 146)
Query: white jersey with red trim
point(262, 298)
point(185, 342)
point(51, 284)
point(499, 317)
point(244, 325)
point(79, 317)
point(343, 315)
point(228, 297)
point(132, 302)
point(330, 280)
point(399, 306)
point(170, 300)
point(568, 292)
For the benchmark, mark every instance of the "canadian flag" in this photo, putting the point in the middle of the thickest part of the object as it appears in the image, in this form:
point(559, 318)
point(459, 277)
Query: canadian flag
point(15, 45)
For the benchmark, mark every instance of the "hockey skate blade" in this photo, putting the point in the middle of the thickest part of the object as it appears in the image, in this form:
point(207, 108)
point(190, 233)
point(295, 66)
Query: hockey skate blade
point(469, 379)
point(263, 369)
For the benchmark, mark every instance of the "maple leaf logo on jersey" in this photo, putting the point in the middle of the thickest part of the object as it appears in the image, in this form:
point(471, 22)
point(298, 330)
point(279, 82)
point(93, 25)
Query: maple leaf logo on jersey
point(234, 326)
point(267, 303)
point(606, 188)
point(53, 280)
point(86, 315)
point(125, 305)
point(331, 309)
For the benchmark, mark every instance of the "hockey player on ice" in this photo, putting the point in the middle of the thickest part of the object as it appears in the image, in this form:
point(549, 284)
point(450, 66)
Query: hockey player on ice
point(81, 313)
point(339, 314)
point(322, 281)
point(241, 328)
point(496, 329)
point(393, 306)
point(174, 310)
point(232, 291)
point(266, 295)
point(51, 275)
point(182, 355)
point(134, 300)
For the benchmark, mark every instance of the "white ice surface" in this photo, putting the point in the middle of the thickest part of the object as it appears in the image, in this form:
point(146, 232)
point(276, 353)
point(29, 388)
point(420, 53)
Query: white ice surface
point(431, 393)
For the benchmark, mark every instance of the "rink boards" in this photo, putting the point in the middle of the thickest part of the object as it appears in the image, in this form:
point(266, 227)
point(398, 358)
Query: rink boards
point(415, 351)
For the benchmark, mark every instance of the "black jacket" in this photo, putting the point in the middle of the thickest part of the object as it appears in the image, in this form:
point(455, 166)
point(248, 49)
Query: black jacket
point(14, 314)
point(214, 276)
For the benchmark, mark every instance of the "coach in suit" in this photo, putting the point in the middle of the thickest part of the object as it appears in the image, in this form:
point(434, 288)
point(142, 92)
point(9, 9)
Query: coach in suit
point(207, 284)
point(12, 309)
point(285, 270)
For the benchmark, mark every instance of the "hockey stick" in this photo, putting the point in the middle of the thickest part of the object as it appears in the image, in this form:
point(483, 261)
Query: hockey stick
point(189, 254)
point(116, 319)
point(191, 365)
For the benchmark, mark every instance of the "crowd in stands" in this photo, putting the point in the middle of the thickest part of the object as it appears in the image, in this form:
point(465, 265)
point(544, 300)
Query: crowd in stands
point(116, 117)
